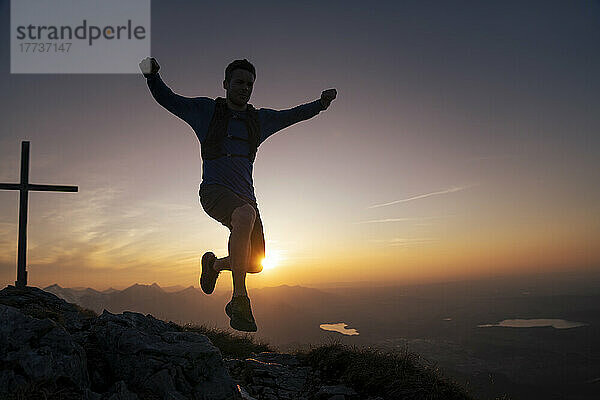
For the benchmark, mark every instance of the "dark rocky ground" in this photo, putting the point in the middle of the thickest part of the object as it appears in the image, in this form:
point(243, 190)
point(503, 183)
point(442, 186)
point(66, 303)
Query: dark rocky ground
point(52, 349)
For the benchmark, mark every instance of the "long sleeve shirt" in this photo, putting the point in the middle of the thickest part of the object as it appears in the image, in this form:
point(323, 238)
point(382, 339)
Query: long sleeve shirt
point(232, 172)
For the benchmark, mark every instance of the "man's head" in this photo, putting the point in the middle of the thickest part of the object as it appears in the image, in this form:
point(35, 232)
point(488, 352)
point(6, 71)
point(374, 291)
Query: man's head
point(239, 81)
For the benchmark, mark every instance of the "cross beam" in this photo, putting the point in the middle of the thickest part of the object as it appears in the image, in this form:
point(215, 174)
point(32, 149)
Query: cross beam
point(24, 187)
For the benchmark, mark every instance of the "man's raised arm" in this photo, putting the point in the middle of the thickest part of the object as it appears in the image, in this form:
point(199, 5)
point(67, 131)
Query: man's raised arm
point(275, 121)
point(183, 107)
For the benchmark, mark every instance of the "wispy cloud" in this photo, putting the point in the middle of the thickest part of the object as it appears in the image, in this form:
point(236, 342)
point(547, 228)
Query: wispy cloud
point(403, 242)
point(422, 196)
point(379, 221)
point(101, 227)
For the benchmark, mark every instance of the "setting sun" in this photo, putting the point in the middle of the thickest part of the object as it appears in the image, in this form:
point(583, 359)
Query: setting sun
point(272, 260)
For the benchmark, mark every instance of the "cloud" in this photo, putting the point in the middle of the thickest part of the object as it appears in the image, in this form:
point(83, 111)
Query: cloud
point(403, 242)
point(400, 242)
point(422, 196)
point(377, 221)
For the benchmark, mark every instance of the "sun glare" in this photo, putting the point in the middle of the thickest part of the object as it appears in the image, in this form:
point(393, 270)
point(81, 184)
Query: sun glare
point(271, 260)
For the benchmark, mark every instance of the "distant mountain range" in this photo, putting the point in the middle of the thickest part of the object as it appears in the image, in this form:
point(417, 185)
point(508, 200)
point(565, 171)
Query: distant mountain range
point(286, 315)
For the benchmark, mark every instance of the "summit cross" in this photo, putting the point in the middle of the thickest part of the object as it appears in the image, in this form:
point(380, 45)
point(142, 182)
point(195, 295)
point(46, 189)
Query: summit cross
point(24, 187)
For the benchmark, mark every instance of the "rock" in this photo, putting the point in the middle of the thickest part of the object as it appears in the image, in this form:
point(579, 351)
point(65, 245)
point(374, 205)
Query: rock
point(90, 395)
point(277, 358)
point(39, 304)
point(243, 394)
point(119, 391)
point(328, 393)
point(271, 375)
point(128, 356)
point(38, 350)
point(147, 354)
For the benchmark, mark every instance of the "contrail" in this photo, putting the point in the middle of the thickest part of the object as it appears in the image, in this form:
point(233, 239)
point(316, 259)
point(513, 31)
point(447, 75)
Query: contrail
point(375, 221)
point(422, 196)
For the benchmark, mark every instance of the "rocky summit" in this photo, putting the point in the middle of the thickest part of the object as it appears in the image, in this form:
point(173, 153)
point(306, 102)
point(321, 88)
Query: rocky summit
point(50, 348)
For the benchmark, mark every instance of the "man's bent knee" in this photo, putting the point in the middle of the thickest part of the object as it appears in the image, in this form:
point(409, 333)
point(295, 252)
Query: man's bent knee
point(243, 216)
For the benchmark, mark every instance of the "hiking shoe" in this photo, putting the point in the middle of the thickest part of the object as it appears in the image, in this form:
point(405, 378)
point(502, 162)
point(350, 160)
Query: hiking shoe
point(240, 314)
point(208, 277)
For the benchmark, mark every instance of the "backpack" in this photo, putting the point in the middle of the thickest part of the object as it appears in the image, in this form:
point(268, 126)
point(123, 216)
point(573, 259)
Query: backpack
point(212, 147)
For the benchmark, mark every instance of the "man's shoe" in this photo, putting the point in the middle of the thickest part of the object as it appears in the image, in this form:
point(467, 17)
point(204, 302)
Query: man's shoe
point(240, 314)
point(209, 276)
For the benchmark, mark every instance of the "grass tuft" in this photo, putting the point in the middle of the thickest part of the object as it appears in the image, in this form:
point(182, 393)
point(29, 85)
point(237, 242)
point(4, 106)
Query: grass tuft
point(386, 373)
point(86, 312)
point(230, 344)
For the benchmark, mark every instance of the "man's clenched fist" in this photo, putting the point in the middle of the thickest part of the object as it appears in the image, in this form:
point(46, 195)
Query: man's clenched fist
point(149, 66)
point(327, 96)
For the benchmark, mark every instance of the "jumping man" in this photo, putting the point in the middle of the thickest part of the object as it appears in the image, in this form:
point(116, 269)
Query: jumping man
point(230, 131)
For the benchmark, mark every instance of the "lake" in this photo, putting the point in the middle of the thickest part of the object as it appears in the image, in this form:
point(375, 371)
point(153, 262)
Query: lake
point(339, 327)
point(532, 323)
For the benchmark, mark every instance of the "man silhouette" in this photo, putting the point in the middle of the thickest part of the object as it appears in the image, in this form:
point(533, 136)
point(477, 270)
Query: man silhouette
point(230, 131)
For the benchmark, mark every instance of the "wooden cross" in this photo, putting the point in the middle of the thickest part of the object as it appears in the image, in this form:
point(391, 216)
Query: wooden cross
point(24, 187)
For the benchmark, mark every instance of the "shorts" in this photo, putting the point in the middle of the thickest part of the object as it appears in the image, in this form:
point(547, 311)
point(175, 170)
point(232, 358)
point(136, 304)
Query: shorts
point(219, 201)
